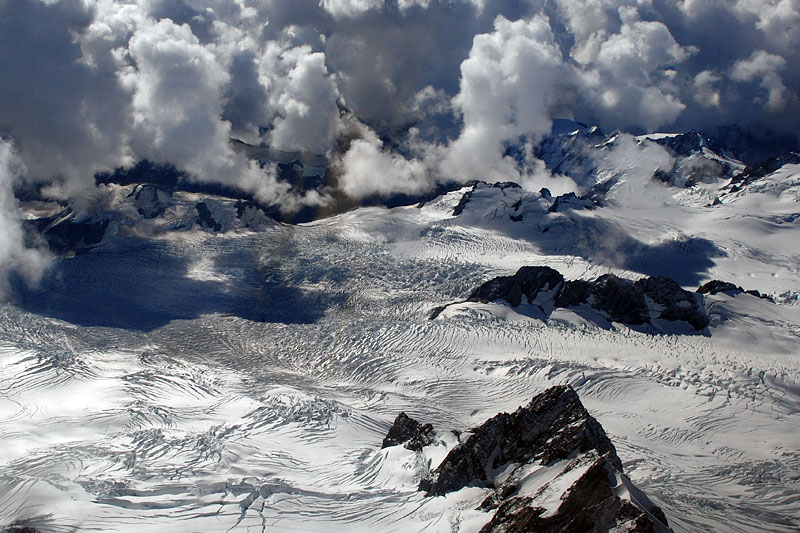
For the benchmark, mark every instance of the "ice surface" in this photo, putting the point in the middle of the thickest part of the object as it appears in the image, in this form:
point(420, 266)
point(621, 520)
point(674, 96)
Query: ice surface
point(207, 382)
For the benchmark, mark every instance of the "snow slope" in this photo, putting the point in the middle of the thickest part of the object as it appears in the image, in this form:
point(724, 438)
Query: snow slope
point(198, 381)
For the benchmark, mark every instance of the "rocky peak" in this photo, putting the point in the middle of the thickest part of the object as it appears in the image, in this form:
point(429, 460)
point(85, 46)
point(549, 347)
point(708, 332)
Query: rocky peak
point(407, 431)
point(550, 428)
point(684, 144)
point(768, 166)
point(572, 201)
point(67, 234)
point(551, 467)
point(674, 302)
point(620, 298)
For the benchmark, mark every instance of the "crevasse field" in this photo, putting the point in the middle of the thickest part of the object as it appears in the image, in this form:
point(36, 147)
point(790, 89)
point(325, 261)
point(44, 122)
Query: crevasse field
point(243, 381)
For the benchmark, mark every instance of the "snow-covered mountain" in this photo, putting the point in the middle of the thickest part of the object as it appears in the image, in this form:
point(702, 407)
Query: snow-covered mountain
point(194, 362)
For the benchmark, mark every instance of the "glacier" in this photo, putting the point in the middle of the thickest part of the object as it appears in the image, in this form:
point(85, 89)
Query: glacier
point(216, 370)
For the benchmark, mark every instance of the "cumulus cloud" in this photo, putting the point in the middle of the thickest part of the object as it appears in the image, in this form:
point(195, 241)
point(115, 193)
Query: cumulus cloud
point(66, 113)
point(349, 8)
point(630, 73)
point(305, 97)
point(367, 168)
point(177, 87)
point(30, 263)
point(508, 83)
point(441, 86)
point(705, 92)
point(765, 68)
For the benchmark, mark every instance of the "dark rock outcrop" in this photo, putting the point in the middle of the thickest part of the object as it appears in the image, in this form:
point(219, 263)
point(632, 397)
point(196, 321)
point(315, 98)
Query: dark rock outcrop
point(686, 144)
point(407, 431)
point(19, 527)
point(163, 175)
point(622, 300)
point(436, 311)
point(550, 428)
point(528, 281)
point(715, 286)
point(554, 431)
point(64, 234)
point(588, 505)
point(571, 201)
point(205, 218)
point(150, 200)
point(768, 166)
point(674, 302)
point(574, 292)
point(467, 196)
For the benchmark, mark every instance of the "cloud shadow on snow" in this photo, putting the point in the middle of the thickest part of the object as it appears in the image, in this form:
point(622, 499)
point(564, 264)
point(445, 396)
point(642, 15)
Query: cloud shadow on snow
point(686, 260)
point(144, 287)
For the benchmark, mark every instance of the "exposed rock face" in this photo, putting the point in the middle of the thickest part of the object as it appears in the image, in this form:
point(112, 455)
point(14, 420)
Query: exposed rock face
point(685, 144)
point(64, 234)
point(588, 505)
point(253, 214)
point(753, 172)
point(405, 430)
point(527, 281)
point(565, 150)
point(675, 303)
point(622, 300)
point(715, 286)
point(573, 293)
point(571, 201)
point(462, 203)
point(206, 219)
point(150, 201)
point(459, 208)
point(550, 428)
point(145, 171)
point(552, 468)
point(516, 202)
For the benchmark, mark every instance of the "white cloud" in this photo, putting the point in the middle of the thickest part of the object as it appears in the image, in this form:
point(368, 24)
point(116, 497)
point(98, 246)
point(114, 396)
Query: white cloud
point(634, 165)
point(627, 73)
point(94, 84)
point(30, 263)
point(508, 83)
point(304, 96)
point(765, 68)
point(705, 92)
point(349, 8)
point(367, 168)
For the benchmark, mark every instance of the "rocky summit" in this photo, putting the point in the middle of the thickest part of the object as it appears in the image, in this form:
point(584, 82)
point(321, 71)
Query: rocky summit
point(408, 432)
point(550, 467)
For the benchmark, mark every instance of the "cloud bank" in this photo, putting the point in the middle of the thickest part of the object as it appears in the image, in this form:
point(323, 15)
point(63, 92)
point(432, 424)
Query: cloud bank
point(421, 91)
